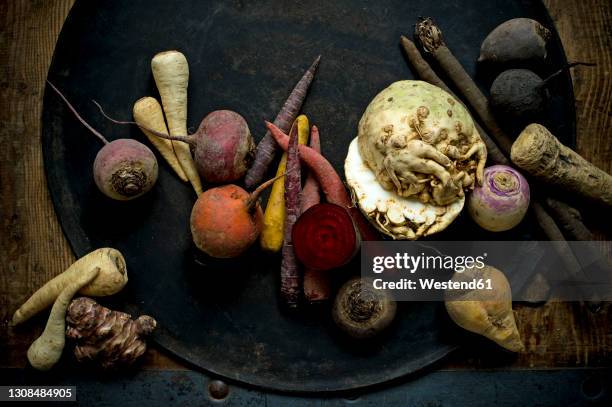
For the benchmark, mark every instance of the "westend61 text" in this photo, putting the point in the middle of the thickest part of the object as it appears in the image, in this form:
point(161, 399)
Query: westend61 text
point(432, 284)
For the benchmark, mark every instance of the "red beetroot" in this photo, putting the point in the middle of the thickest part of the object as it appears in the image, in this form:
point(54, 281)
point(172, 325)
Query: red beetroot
point(324, 237)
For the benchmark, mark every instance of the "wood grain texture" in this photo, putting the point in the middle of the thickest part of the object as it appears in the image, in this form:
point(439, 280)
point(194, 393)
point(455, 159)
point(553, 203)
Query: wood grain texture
point(33, 248)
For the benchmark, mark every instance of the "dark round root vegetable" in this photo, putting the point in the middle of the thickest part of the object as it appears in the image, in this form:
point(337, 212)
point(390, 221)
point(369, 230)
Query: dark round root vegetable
point(224, 147)
point(520, 42)
point(124, 169)
point(227, 220)
point(324, 237)
point(361, 311)
point(518, 94)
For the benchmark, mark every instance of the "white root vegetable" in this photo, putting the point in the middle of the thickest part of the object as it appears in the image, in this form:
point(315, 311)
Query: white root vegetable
point(487, 313)
point(171, 73)
point(148, 113)
point(111, 279)
point(47, 349)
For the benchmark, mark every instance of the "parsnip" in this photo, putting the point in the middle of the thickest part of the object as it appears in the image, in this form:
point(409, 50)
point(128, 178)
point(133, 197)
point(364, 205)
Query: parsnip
point(47, 349)
point(171, 73)
point(486, 313)
point(111, 279)
point(148, 113)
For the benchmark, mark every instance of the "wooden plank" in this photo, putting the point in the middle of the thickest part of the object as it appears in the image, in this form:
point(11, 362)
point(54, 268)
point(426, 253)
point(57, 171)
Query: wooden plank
point(33, 248)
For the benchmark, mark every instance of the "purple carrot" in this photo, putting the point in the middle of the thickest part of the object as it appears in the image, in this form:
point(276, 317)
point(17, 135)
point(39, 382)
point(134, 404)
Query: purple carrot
point(266, 149)
point(290, 278)
point(316, 283)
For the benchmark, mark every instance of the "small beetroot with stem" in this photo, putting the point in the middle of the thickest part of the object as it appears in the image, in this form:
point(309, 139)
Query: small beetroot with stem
point(124, 169)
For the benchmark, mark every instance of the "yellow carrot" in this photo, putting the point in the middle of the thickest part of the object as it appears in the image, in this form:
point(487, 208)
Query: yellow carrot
point(148, 113)
point(274, 218)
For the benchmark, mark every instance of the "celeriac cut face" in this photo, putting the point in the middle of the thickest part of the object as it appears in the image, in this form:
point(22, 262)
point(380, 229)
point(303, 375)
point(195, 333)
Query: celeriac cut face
point(421, 143)
point(401, 218)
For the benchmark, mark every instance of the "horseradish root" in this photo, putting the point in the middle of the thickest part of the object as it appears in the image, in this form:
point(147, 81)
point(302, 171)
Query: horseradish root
point(109, 339)
point(111, 279)
point(485, 312)
point(542, 155)
point(45, 351)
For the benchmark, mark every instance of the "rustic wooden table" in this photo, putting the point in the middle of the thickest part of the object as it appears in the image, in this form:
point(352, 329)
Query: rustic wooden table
point(33, 248)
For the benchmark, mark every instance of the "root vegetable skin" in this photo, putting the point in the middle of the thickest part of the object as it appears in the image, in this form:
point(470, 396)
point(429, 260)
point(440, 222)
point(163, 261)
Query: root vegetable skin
point(171, 74)
point(110, 280)
point(266, 149)
point(45, 351)
point(328, 180)
point(502, 201)
point(310, 192)
point(148, 113)
point(493, 317)
point(542, 155)
point(226, 221)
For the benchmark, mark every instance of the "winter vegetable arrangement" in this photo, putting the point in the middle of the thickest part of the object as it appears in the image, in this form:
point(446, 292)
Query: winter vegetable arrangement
point(417, 158)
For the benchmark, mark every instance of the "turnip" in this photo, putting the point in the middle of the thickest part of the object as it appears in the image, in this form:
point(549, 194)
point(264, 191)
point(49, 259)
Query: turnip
point(361, 311)
point(124, 169)
point(502, 201)
point(227, 220)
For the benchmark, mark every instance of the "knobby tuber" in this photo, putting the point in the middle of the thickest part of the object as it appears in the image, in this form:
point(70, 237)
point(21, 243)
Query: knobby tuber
point(45, 351)
point(171, 74)
point(290, 275)
point(272, 232)
point(361, 311)
point(148, 113)
point(542, 155)
point(111, 279)
point(502, 201)
point(485, 312)
point(124, 169)
point(225, 221)
point(106, 338)
point(519, 42)
point(266, 149)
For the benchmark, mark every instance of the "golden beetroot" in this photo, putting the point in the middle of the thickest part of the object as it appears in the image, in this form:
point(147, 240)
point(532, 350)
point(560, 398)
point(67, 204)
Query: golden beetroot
point(227, 220)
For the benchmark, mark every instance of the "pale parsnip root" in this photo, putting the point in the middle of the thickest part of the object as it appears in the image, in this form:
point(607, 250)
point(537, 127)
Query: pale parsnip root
point(488, 314)
point(47, 349)
point(171, 73)
point(111, 279)
point(148, 113)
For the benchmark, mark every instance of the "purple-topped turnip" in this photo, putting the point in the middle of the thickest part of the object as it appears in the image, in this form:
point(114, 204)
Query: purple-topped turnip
point(502, 201)
point(124, 169)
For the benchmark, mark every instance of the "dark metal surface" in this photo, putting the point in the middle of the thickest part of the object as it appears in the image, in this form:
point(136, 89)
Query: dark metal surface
point(246, 56)
point(575, 387)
